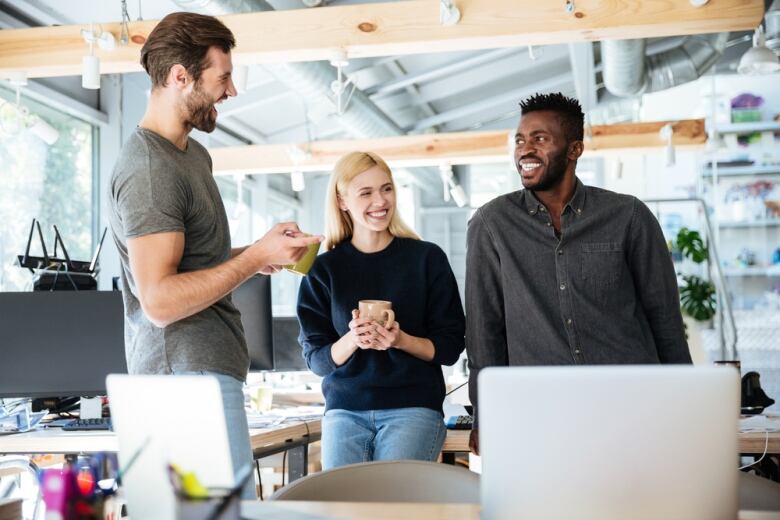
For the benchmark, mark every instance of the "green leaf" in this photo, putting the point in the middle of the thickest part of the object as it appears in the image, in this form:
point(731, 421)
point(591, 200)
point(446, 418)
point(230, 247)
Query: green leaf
point(697, 298)
point(692, 245)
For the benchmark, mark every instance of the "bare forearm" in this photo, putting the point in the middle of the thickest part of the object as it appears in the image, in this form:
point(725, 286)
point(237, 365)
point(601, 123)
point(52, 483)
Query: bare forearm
point(181, 295)
point(421, 348)
point(342, 350)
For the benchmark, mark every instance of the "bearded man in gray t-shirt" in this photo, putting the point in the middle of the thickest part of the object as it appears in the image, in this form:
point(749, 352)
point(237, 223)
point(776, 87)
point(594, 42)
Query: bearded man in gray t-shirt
point(171, 230)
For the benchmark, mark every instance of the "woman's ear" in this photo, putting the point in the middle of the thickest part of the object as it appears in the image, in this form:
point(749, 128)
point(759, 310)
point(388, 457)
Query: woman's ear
point(342, 205)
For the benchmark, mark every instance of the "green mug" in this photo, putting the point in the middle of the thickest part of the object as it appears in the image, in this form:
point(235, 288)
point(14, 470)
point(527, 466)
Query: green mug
point(303, 265)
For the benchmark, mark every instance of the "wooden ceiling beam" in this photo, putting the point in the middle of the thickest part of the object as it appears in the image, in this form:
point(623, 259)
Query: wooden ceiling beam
point(434, 149)
point(386, 29)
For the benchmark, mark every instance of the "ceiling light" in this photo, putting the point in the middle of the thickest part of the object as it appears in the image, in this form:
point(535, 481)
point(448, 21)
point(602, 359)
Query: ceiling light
point(297, 181)
point(459, 195)
point(90, 64)
point(449, 14)
point(758, 59)
point(15, 118)
point(667, 134)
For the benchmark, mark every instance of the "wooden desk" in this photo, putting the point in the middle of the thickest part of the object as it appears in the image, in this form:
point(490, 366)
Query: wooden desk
point(752, 443)
point(396, 510)
point(293, 438)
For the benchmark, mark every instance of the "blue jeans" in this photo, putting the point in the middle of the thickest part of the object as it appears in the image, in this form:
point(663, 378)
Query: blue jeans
point(237, 425)
point(402, 433)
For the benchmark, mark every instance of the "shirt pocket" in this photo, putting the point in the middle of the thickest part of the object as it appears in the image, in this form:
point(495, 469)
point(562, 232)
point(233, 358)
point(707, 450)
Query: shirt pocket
point(601, 268)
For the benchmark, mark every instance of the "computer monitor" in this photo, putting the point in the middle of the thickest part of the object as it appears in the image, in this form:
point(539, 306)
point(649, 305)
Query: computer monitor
point(57, 344)
point(288, 355)
point(253, 300)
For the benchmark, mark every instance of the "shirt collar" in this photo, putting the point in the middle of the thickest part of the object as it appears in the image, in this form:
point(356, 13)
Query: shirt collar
point(577, 203)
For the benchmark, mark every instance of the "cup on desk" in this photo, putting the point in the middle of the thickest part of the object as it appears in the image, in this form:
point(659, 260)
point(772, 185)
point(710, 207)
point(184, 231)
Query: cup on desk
point(303, 265)
point(261, 398)
point(378, 310)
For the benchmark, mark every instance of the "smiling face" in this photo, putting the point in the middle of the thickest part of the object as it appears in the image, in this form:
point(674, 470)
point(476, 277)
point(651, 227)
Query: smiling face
point(370, 200)
point(541, 150)
point(214, 86)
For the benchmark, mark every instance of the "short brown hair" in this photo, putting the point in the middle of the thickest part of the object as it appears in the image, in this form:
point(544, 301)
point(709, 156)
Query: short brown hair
point(185, 39)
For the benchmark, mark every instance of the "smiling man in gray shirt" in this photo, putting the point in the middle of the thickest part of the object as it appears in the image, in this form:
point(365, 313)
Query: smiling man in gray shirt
point(560, 273)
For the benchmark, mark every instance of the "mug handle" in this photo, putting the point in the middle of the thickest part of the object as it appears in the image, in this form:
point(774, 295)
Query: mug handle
point(389, 318)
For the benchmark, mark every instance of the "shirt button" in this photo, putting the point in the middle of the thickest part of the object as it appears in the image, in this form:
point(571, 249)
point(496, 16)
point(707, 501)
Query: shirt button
point(563, 286)
point(549, 224)
point(577, 351)
point(579, 210)
point(532, 212)
point(560, 251)
point(542, 209)
point(568, 322)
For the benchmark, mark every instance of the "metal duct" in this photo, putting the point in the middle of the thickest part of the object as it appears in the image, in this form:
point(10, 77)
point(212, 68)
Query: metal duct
point(772, 21)
point(312, 80)
point(628, 72)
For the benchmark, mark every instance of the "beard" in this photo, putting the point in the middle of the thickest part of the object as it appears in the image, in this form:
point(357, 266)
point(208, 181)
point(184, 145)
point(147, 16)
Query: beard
point(197, 110)
point(553, 173)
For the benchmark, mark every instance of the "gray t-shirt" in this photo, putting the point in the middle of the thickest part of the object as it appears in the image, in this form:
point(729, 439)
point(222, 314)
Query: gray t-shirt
point(157, 188)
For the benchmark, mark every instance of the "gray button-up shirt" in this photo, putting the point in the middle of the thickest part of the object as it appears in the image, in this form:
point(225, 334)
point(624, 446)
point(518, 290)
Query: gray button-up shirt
point(604, 292)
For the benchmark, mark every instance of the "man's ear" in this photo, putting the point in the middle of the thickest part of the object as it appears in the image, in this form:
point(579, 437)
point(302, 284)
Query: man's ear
point(575, 150)
point(179, 77)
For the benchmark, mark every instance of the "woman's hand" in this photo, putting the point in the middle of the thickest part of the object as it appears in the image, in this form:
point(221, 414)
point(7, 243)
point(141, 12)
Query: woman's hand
point(362, 331)
point(386, 338)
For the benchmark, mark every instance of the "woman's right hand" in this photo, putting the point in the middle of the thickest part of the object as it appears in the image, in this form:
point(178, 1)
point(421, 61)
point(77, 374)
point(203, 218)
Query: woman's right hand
point(362, 331)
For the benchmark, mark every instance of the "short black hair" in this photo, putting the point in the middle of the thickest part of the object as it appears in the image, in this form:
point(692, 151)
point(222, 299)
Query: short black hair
point(568, 109)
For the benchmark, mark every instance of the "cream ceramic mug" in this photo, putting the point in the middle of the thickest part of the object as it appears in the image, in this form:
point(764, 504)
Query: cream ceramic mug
point(378, 310)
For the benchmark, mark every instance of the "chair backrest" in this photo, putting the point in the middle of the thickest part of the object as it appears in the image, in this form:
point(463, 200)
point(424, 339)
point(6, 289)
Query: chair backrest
point(387, 481)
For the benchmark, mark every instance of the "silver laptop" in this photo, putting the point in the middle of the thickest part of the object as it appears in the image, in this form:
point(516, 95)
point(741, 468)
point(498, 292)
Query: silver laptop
point(613, 442)
point(177, 419)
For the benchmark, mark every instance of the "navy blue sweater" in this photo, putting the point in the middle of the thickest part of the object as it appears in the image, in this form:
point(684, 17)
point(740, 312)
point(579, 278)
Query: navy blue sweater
point(417, 278)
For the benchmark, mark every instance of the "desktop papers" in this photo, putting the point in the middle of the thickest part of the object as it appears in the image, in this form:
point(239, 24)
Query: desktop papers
point(765, 422)
point(279, 416)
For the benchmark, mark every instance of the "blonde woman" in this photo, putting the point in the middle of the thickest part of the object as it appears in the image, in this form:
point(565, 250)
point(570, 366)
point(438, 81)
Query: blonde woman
point(383, 386)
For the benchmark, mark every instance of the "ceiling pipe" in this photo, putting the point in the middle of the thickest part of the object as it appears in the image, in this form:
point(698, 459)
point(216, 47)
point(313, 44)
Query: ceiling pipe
point(628, 71)
point(312, 80)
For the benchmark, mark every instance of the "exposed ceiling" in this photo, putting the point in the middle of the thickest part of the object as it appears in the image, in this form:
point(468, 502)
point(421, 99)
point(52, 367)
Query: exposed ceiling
point(440, 92)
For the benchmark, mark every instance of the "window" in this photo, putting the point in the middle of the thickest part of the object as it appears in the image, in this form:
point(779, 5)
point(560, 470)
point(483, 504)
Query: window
point(53, 183)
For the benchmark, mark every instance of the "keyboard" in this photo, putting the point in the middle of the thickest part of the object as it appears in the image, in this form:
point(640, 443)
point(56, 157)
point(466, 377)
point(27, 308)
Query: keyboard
point(460, 422)
point(103, 423)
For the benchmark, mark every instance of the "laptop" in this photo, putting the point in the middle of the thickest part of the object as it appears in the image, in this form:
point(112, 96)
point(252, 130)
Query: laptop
point(177, 419)
point(609, 442)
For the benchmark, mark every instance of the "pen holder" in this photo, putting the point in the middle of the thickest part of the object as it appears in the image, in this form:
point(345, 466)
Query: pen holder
point(226, 507)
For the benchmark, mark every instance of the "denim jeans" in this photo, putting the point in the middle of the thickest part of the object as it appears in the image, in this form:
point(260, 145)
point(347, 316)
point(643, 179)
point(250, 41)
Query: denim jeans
point(402, 433)
point(237, 425)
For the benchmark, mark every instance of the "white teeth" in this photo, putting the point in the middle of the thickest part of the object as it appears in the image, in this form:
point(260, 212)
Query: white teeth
point(530, 166)
point(377, 214)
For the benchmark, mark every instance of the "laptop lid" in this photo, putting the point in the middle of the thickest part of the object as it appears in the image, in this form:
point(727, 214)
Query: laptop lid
point(609, 442)
point(177, 419)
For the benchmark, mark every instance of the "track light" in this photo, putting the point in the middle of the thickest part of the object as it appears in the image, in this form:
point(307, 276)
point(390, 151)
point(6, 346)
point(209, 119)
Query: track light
point(15, 117)
point(449, 14)
point(297, 181)
point(451, 187)
point(90, 64)
point(759, 59)
point(667, 134)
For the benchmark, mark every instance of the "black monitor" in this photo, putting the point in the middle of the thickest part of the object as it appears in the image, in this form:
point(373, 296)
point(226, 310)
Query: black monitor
point(253, 300)
point(287, 351)
point(56, 344)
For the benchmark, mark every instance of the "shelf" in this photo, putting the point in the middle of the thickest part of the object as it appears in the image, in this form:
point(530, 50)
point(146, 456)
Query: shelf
point(751, 224)
point(736, 171)
point(747, 128)
point(752, 271)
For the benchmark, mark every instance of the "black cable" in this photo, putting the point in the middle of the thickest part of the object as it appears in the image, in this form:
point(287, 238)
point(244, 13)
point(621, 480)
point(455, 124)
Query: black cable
point(259, 478)
point(456, 388)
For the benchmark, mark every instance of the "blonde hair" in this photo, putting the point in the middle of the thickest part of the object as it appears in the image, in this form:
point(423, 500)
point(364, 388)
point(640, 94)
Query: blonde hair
point(338, 223)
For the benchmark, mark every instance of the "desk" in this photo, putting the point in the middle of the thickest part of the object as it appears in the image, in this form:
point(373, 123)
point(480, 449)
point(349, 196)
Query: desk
point(294, 437)
point(751, 443)
point(396, 510)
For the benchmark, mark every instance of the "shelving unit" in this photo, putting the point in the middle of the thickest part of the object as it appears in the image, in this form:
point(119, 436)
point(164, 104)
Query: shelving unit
point(750, 223)
point(739, 171)
point(753, 271)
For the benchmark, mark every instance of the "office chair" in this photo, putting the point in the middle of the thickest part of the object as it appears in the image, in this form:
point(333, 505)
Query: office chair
point(13, 485)
point(387, 481)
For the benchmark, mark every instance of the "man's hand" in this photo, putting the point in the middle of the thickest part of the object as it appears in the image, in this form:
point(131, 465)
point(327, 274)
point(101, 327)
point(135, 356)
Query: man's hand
point(283, 244)
point(474, 441)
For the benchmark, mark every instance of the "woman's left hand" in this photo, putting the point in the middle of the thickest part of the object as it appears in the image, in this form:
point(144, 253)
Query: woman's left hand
point(387, 338)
